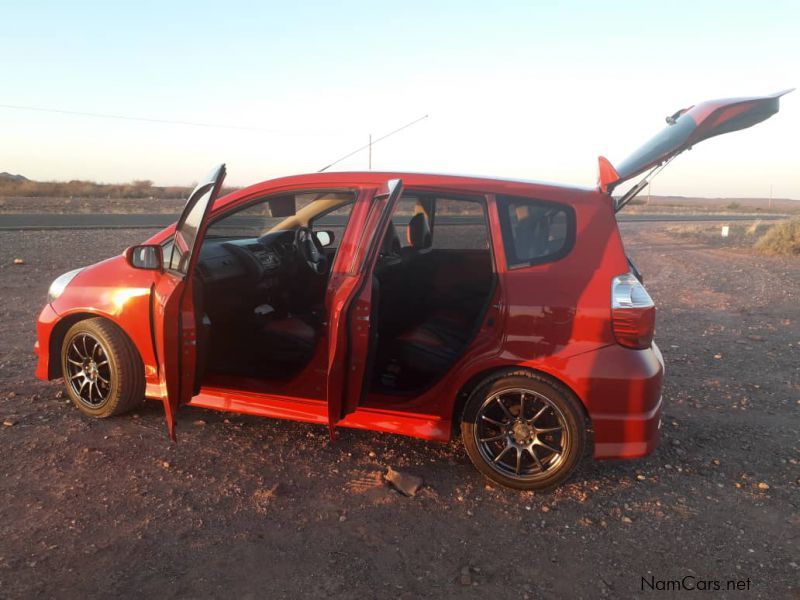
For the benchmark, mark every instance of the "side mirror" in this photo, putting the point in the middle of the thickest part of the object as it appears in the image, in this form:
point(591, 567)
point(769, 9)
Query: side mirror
point(324, 237)
point(149, 257)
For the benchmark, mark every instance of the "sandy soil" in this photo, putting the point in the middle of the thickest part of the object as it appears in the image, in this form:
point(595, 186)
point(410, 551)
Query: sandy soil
point(17, 204)
point(251, 508)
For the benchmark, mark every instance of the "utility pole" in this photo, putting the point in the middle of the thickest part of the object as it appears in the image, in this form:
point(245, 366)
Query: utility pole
point(371, 142)
point(770, 196)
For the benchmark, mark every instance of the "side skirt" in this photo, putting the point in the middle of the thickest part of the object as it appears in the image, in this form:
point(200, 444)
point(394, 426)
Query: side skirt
point(417, 425)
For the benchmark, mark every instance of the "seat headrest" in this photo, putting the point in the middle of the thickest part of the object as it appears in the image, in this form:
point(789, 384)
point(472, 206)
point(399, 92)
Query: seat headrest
point(391, 242)
point(419, 232)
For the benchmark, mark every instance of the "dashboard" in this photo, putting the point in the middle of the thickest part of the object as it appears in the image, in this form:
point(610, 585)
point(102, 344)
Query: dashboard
point(237, 275)
point(225, 259)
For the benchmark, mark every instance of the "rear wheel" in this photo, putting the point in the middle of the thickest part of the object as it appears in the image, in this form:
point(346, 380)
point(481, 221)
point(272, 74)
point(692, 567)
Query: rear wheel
point(523, 431)
point(103, 372)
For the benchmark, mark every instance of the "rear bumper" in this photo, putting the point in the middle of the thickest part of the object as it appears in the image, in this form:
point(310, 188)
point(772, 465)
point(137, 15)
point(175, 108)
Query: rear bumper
point(622, 393)
point(629, 436)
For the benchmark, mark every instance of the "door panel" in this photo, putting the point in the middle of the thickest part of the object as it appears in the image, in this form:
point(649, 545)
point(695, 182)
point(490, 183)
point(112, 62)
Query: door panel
point(350, 308)
point(174, 319)
point(459, 276)
point(168, 291)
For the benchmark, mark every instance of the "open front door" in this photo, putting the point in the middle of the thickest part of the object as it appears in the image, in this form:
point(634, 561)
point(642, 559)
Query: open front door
point(350, 309)
point(174, 321)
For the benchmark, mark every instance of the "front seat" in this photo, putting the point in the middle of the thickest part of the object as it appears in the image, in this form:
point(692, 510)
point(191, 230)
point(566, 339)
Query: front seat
point(418, 270)
point(289, 341)
point(418, 234)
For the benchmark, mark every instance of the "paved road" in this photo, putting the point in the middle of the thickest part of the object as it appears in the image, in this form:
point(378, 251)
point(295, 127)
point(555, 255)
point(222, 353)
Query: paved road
point(158, 221)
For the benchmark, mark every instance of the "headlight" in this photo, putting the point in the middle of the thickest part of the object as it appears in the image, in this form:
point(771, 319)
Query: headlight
point(59, 283)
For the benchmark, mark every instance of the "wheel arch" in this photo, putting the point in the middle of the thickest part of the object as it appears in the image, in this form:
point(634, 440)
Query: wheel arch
point(60, 330)
point(509, 371)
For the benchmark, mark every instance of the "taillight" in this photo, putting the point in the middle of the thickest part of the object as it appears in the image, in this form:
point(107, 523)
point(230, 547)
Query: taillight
point(633, 314)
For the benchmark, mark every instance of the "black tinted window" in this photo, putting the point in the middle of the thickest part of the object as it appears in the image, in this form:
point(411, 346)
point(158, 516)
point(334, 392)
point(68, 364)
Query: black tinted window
point(535, 231)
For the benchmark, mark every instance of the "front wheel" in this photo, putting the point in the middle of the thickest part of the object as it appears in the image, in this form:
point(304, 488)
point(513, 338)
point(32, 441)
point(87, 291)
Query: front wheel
point(523, 431)
point(102, 370)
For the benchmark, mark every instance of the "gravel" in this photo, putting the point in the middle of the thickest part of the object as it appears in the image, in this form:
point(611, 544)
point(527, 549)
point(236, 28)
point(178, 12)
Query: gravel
point(248, 507)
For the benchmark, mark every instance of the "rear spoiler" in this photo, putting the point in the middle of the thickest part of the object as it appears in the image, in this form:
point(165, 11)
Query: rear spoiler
point(609, 174)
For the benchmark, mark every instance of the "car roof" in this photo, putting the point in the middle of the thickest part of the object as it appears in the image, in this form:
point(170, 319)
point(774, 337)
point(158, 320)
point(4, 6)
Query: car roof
point(466, 183)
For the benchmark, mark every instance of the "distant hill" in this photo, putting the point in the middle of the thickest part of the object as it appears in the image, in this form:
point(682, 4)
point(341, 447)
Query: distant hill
point(17, 186)
point(11, 177)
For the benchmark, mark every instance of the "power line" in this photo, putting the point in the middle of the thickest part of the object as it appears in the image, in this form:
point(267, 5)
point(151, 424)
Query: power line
point(372, 143)
point(78, 113)
point(144, 119)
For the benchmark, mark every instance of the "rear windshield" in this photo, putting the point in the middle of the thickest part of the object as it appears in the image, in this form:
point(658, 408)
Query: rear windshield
point(535, 231)
point(658, 148)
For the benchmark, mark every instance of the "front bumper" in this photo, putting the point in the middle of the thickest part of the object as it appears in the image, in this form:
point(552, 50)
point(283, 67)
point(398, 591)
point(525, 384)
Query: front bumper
point(44, 330)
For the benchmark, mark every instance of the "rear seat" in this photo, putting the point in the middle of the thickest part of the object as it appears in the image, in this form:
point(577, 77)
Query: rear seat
point(443, 319)
point(432, 345)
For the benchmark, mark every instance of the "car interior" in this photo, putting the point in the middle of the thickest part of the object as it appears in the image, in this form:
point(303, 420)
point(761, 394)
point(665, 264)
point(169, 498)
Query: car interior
point(262, 276)
point(434, 279)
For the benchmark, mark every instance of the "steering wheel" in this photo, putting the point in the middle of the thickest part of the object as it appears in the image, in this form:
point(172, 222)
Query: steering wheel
point(310, 251)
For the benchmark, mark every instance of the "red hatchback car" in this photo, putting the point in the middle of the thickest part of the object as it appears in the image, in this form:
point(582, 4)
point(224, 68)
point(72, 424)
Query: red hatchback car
point(416, 304)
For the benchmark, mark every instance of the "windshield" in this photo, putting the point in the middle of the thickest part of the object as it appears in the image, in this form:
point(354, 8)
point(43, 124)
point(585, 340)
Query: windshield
point(319, 210)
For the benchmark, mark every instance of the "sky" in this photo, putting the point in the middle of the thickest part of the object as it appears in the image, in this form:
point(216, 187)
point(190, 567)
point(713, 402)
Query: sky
point(531, 90)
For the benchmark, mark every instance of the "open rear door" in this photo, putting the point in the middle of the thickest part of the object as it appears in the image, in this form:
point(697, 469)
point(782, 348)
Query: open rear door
point(174, 321)
point(685, 128)
point(350, 307)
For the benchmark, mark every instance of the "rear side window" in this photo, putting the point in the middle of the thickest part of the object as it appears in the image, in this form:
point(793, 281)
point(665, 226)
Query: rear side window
point(459, 224)
point(535, 231)
point(455, 223)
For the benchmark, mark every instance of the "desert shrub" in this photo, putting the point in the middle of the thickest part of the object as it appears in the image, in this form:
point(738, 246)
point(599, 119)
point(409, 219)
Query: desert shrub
point(782, 238)
point(142, 188)
point(733, 205)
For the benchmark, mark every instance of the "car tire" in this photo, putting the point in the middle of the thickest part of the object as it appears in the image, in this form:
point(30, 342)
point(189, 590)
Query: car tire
point(102, 370)
point(524, 431)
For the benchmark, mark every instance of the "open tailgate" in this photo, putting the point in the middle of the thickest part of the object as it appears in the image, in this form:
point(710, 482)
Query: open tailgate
point(687, 127)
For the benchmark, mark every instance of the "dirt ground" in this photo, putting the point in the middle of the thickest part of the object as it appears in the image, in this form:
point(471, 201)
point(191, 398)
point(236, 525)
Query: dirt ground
point(250, 508)
point(17, 204)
